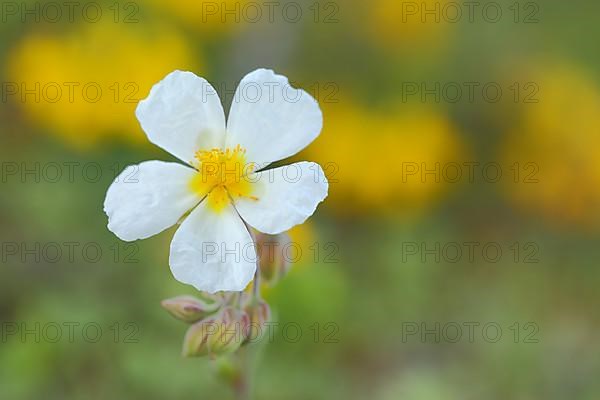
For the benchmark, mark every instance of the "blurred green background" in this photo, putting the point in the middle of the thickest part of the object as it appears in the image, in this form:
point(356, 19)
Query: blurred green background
point(385, 73)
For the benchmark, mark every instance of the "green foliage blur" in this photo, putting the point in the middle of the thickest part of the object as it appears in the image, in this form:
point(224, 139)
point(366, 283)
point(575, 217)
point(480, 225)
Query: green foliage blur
point(370, 272)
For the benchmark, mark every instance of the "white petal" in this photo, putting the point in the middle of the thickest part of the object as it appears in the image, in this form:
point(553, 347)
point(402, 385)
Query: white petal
point(147, 198)
point(183, 114)
point(271, 119)
point(213, 251)
point(287, 196)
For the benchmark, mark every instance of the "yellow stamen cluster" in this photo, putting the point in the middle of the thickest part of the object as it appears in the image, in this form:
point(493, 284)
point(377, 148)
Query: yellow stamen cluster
point(222, 176)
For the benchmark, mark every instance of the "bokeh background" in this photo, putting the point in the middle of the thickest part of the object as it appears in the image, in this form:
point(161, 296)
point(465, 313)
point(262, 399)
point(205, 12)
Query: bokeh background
point(373, 66)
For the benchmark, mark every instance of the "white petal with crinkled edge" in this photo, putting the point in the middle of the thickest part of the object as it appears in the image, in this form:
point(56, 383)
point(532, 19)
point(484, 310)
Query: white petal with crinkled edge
point(147, 198)
point(183, 114)
point(271, 119)
point(287, 196)
point(213, 251)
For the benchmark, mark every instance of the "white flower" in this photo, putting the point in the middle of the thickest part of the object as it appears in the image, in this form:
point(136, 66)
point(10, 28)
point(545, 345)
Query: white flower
point(269, 121)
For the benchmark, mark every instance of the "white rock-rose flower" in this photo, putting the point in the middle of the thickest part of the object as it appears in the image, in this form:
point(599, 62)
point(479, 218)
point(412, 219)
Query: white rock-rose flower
point(222, 187)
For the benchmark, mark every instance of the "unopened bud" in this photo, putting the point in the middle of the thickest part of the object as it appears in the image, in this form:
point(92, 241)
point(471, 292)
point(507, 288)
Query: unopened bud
point(272, 261)
point(259, 313)
point(192, 309)
point(219, 334)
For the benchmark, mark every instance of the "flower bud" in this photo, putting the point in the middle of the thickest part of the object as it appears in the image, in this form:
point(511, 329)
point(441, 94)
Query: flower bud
point(272, 260)
point(192, 309)
point(259, 313)
point(218, 334)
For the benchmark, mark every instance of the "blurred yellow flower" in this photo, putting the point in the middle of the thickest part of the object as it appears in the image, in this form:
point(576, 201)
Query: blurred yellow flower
point(85, 85)
point(213, 16)
point(394, 23)
point(559, 137)
point(375, 160)
point(304, 235)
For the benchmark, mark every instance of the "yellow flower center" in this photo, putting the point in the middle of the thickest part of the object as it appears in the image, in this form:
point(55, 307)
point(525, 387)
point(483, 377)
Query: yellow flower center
point(222, 176)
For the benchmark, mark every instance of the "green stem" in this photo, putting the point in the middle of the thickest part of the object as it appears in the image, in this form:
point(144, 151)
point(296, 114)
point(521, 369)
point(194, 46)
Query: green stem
point(241, 384)
point(256, 287)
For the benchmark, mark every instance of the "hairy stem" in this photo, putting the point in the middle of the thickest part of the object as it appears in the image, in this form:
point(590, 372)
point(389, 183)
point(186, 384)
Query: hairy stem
point(241, 384)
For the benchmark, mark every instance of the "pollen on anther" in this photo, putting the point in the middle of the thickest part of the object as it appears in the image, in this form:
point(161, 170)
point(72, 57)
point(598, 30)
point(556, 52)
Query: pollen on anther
point(224, 172)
